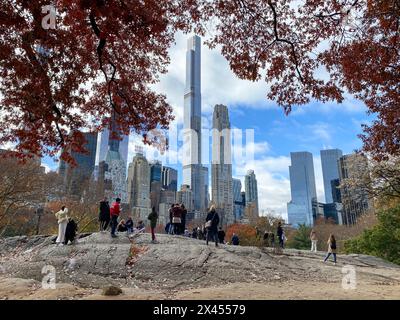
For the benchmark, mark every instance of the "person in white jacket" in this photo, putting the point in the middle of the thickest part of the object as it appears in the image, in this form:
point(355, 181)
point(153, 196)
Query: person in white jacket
point(62, 219)
point(314, 240)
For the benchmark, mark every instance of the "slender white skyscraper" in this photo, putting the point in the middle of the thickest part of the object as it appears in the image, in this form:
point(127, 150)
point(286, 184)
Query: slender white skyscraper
point(302, 188)
point(330, 170)
point(192, 168)
point(221, 167)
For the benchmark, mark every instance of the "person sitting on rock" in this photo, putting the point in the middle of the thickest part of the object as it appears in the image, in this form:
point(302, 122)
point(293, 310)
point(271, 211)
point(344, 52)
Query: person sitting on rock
point(129, 225)
point(121, 226)
point(140, 227)
point(235, 239)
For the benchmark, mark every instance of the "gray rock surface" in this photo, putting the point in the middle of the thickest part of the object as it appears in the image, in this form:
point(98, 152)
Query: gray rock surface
point(173, 263)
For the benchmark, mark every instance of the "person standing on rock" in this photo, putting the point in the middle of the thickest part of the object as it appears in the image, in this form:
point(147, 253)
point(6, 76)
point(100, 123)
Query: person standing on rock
point(212, 221)
point(183, 219)
point(221, 235)
point(331, 248)
point(314, 240)
point(171, 225)
point(153, 216)
point(104, 214)
point(265, 239)
point(115, 211)
point(62, 219)
point(272, 236)
point(176, 218)
point(279, 233)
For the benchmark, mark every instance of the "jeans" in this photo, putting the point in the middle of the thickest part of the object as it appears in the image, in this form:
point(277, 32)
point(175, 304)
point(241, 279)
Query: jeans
point(153, 235)
point(114, 223)
point(314, 245)
point(212, 234)
point(329, 254)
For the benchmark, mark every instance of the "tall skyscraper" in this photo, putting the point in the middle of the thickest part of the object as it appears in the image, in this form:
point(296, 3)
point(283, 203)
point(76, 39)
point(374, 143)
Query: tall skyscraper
point(155, 183)
point(355, 200)
point(112, 153)
point(105, 140)
point(330, 170)
point(138, 185)
point(155, 171)
point(302, 188)
point(221, 166)
point(76, 177)
point(250, 184)
point(192, 168)
point(206, 196)
point(169, 179)
point(238, 205)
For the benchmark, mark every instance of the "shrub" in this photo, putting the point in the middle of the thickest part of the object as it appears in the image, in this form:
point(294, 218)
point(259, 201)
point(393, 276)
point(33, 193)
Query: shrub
point(301, 238)
point(382, 240)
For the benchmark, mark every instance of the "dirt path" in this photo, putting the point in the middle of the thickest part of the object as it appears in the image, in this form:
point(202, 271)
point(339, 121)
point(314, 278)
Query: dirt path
point(13, 288)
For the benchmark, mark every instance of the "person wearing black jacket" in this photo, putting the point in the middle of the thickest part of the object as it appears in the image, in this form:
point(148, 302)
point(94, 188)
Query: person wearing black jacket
point(279, 233)
point(70, 231)
point(183, 219)
point(212, 226)
point(104, 214)
point(221, 235)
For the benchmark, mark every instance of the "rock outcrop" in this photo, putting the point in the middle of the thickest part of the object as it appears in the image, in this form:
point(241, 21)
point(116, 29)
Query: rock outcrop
point(176, 263)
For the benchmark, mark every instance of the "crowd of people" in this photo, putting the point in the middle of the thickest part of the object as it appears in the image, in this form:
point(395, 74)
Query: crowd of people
point(109, 215)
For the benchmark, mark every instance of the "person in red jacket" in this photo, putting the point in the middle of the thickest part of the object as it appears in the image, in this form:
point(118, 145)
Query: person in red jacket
point(115, 210)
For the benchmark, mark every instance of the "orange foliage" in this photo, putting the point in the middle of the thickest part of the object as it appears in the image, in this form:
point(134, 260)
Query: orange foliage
point(46, 89)
point(246, 233)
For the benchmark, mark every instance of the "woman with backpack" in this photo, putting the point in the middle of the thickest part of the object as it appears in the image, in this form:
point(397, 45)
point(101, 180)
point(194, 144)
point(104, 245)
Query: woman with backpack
point(331, 248)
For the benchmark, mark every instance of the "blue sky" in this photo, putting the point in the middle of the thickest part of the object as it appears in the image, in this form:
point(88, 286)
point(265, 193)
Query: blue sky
point(310, 128)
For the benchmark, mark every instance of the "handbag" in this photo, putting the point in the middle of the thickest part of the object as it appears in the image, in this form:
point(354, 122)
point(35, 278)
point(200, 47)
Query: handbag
point(176, 220)
point(208, 223)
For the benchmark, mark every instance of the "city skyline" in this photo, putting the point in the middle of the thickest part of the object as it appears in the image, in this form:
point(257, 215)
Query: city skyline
point(312, 128)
